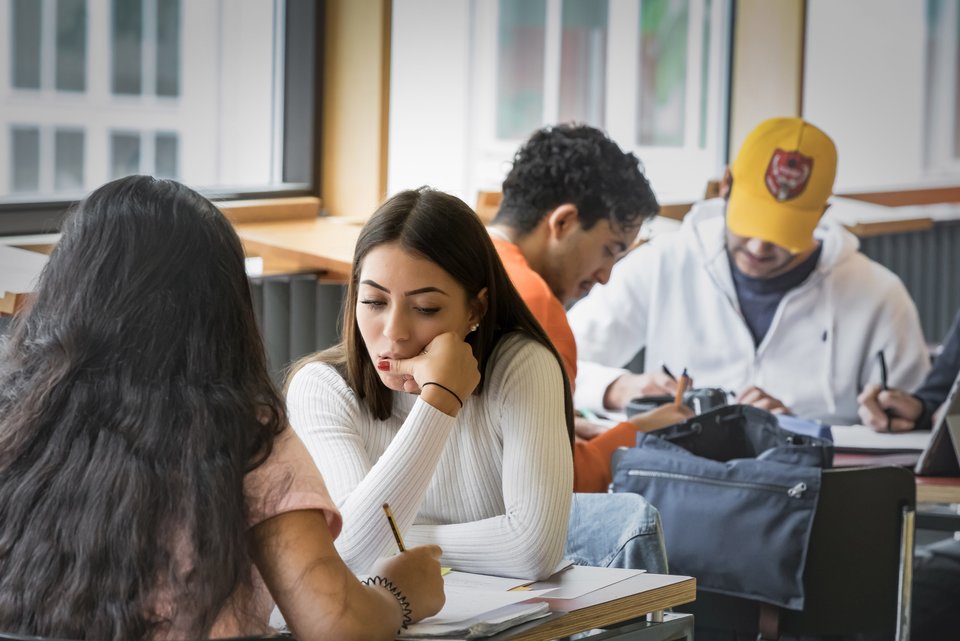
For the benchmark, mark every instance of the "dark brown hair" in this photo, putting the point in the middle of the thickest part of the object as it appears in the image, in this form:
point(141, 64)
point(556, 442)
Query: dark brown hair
point(134, 398)
point(443, 229)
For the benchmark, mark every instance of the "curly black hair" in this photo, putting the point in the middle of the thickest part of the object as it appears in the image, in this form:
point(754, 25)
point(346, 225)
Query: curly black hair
point(575, 164)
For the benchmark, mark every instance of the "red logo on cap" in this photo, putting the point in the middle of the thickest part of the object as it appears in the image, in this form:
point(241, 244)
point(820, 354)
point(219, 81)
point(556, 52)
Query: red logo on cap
point(788, 174)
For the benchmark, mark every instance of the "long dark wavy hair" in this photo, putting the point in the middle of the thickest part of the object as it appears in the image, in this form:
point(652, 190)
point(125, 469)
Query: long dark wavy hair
point(134, 397)
point(443, 229)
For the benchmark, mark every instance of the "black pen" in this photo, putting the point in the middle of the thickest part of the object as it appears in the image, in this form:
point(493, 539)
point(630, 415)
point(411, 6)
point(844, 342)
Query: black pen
point(883, 383)
point(666, 370)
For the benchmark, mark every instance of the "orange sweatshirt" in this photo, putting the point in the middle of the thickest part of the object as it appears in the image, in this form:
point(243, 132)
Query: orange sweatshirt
point(591, 459)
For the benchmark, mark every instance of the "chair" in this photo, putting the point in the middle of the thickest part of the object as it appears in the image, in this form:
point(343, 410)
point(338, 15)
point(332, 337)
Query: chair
point(858, 570)
point(488, 203)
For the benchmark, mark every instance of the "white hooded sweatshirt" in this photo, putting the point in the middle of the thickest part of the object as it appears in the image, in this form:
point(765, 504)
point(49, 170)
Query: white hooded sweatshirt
point(675, 296)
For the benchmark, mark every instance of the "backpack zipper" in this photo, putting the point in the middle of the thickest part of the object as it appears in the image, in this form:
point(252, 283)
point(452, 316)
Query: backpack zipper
point(795, 491)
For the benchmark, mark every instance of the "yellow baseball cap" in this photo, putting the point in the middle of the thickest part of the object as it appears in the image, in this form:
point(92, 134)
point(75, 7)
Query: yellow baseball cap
point(782, 178)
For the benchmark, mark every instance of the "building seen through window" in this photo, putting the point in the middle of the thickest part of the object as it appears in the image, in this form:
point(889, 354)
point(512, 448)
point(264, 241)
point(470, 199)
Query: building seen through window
point(652, 73)
point(91, 90)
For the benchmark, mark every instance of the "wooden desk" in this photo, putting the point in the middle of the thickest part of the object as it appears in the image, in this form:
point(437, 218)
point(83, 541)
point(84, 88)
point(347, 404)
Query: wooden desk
point(930, 489)
point(631, 599)
point(324, 244)
point(938, 489)
point(19, 270)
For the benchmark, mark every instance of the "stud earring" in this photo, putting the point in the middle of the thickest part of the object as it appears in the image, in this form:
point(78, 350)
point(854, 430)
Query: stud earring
point(474, 327)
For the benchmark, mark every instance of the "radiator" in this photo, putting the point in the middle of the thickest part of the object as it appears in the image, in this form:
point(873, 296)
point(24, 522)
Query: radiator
point(928, 263)
point(298, 315)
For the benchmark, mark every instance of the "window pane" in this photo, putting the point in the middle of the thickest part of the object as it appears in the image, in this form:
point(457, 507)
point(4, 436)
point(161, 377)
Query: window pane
point(71, 45)
point(663, 72)
point(163, 124)
point(68, 161)
point(583, 61)
point(165, 163)
point(168, 47)
point(705, 72)
point(520, 49)
point(24, 159)
point(127, 46)
point(956, 89)
point(124, 154)
point(26, 44)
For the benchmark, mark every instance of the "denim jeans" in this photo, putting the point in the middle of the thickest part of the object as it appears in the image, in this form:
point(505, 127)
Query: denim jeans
point(617, 531)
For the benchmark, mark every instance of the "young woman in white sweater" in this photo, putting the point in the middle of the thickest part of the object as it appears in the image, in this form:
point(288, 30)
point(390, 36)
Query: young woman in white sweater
point(445, 399)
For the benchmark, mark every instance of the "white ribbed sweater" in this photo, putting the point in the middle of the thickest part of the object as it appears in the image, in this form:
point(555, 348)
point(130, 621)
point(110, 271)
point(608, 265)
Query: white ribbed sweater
point(492, 487)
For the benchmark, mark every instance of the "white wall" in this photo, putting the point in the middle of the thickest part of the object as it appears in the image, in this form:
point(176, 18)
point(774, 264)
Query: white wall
point(429, 117)
point(864, 86)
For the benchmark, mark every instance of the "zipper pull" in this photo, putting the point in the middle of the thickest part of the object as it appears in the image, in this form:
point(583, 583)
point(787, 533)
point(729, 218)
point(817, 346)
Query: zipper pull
point(797, 490)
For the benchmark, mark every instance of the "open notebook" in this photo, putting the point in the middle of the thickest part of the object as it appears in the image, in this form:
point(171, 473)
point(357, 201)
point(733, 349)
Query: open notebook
point(479, 606)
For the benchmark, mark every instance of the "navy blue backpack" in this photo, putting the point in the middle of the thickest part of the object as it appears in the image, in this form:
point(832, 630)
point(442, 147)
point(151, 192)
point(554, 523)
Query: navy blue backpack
point(737, 495)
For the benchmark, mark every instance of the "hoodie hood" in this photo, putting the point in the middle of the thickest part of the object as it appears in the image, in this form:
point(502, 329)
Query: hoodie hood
point(704, 227)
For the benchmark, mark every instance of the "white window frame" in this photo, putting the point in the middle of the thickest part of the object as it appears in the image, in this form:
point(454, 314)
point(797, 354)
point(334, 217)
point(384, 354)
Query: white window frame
point(942, 159)
point(677, 173)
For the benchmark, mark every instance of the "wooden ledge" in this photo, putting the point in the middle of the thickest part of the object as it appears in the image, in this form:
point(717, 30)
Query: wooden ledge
point(270, 209)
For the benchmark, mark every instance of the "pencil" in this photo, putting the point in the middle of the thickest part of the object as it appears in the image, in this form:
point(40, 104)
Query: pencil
point(393, 526)
point(681, 388)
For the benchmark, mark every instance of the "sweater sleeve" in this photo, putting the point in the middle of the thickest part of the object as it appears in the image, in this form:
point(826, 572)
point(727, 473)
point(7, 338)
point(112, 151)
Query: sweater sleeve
point(936, 386)
point(326, 414)
point(524, 392)
point(610, 324)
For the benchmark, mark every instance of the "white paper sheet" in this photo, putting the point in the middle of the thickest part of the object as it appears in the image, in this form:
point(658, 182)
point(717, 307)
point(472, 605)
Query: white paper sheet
point(865, 438)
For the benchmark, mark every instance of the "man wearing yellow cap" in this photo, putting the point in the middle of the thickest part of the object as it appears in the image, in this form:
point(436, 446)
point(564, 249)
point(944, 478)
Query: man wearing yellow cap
point(758, 293)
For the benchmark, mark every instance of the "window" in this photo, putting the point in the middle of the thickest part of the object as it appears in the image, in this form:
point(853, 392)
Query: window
point(124, 154)
point(24, 159)
point(68, 160)
point(146, 47)
point(71, 70)
point(144, 153)
point(942, 88)
point(521, 34)
point(890, 102)
point(652, 73)
point(46, 159)
point(662, 77)
point(220, 95)
point(26, 43)
point(61, 64)
point(165, 161)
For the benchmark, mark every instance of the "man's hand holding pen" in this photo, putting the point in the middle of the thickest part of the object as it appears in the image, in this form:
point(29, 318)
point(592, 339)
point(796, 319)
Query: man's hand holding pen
point(888, 410)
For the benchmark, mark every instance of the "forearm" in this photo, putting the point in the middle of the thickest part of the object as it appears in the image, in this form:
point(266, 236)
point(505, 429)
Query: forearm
point(527, 546)
point(400, 477)
point(317, 594)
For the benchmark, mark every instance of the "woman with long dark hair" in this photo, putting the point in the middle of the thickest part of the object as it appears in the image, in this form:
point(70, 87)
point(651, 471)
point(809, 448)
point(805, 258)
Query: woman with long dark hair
point(149, 486)
point(445, 398)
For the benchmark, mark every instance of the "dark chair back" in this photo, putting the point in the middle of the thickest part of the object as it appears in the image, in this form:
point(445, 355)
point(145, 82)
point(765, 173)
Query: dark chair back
point(858, 568)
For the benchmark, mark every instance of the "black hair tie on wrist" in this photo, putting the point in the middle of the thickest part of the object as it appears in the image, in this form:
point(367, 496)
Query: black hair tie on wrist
point(446, 388)
point(395, 591)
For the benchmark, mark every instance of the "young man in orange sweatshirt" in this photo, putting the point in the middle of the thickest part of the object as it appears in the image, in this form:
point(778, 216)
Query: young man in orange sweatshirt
point(572, 204)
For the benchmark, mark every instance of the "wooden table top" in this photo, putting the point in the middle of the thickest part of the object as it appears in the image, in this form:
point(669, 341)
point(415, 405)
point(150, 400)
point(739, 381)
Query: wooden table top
point(623, 601)
point(324, 244)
